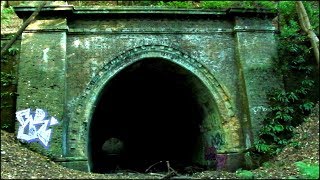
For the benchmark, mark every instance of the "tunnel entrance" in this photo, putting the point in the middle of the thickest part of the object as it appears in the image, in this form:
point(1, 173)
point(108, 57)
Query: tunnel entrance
point(152, 109)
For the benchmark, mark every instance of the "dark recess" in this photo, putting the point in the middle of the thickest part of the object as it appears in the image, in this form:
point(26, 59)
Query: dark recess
point(150, 107)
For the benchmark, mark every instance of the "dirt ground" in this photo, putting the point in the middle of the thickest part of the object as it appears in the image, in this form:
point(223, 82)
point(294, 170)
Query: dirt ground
point(19, 162)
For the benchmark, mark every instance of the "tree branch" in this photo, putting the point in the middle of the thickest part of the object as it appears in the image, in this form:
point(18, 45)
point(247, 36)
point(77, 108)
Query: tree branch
point(306, 27)
point(23, 27)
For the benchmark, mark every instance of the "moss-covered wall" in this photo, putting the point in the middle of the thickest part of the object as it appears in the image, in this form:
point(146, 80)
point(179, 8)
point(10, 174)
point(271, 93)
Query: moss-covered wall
point(256, 53)
point(66, 62)
point(42, 71)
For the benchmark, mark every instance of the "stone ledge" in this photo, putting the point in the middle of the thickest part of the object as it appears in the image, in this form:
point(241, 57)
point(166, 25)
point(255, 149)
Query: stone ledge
point(50, 24)
point(68, 159)
point(76, 165)
point(70, 10)
point(139, 31)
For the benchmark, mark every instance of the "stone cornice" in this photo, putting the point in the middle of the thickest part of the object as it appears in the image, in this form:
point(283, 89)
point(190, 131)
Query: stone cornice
point(70, 10)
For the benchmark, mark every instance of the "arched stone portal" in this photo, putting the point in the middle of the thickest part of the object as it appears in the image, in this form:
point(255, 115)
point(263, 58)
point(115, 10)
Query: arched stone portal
point(156, 108)
point(198, 122)
point(226, 58)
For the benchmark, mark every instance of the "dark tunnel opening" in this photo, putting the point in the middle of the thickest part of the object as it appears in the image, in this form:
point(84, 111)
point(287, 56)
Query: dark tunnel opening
point(151, 107)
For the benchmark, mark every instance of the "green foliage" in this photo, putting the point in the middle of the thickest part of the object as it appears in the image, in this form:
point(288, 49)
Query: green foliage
point(245, 4)
point(3, 94)
point(290, 29)
point(236, 4)
point(267, 4)
point(244, 174)
point(216, 4)
point(146, 3)
point(7, 79)
point(295, 144)
point(6, 126)
point(266, 164)
point(13, 51)
point(310, 171)
point(287, 9)
point(176, 4)
point(6, 15)
point(290, 106)
point(287, 111)
point(181, 4)
point(8, 88)
point(289, 18)
point(313, 13)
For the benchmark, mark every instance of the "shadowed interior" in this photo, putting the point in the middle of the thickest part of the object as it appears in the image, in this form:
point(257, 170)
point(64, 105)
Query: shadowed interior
point(152, 107)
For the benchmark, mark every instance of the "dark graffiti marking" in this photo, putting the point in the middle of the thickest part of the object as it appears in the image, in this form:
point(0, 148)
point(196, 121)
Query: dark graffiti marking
point(219, 160)
point(210, 153)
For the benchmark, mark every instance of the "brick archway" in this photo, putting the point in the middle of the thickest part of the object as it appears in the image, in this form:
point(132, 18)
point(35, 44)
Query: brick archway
point(219, 113)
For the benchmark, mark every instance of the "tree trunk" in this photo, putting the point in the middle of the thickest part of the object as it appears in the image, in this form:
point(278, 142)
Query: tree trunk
point(6, 5)
point(23, 27)
point(306, 27)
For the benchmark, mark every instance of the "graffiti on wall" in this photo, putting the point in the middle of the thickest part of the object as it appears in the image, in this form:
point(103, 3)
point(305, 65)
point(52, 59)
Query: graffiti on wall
point(211, 153)
point(258, 109)
point(35, 126)
point(219, 160)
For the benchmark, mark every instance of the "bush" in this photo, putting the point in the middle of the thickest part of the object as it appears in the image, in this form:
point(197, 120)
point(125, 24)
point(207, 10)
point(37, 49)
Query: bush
point(308, 170)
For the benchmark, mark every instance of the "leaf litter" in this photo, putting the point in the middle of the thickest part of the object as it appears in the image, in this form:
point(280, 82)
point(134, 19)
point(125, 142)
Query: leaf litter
point(19, 162)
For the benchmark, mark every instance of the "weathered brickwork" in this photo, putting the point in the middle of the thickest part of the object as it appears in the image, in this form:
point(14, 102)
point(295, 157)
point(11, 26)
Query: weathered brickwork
point(69, 58)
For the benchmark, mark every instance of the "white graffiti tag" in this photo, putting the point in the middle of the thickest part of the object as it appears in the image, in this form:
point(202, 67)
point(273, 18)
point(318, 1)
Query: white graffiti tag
point(259, 109)
point(34, 127)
